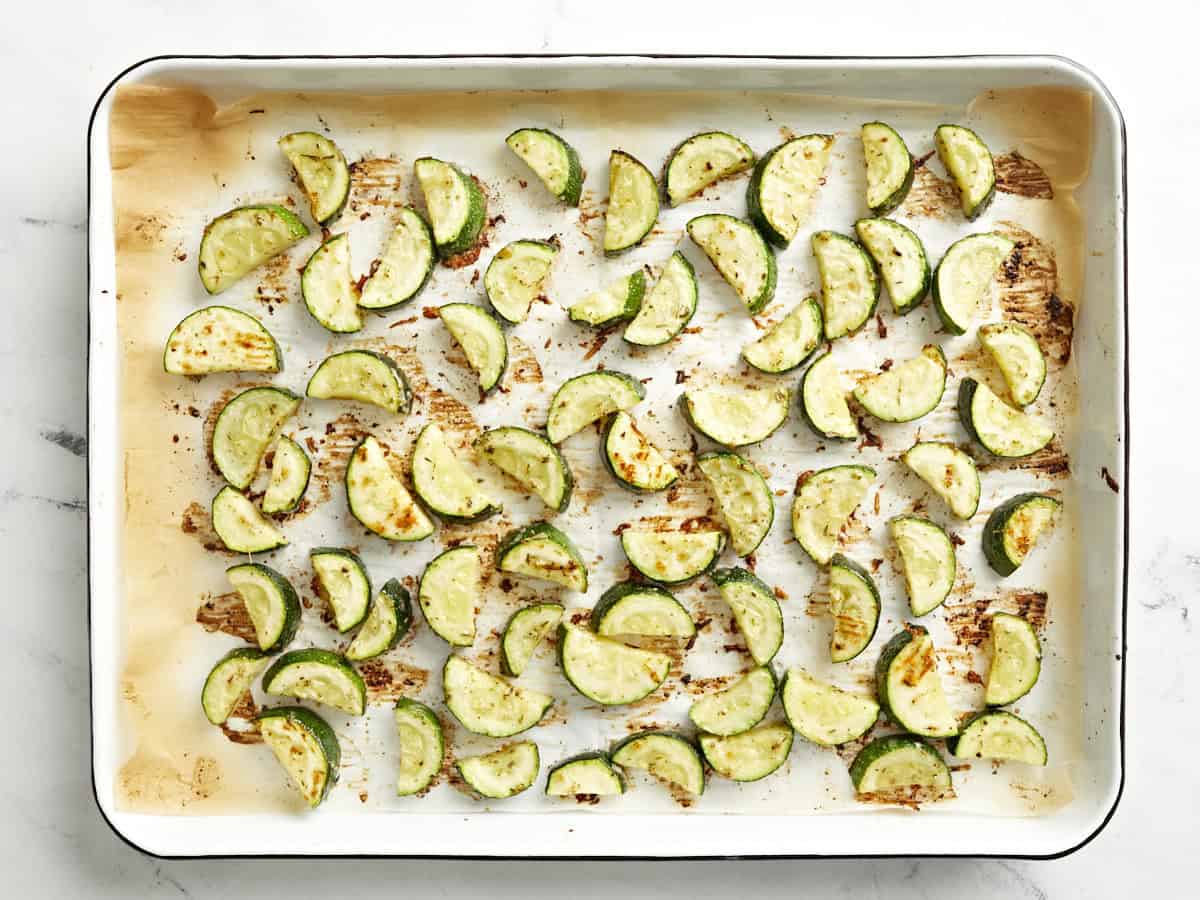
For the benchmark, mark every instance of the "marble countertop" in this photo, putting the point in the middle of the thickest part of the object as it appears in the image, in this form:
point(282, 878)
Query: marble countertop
point(53, 842)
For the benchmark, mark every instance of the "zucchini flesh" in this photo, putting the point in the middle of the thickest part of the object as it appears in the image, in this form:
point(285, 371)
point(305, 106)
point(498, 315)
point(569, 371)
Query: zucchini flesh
point(854, 606)
point(632, 203)
point(1016, 660)
point(552, 159)
point(245, 428)
point(906, 391)
point(824, 505)
point(607, 671)
point(784, 184)
point(220, 339)
point(740, 255)
point(228, 680)
point(516, 277)
point(823, 713)
point(240, 526)
point(405, 266)
point(738, 707)
point(789, 342)
point(329, 289)
point(632, 608)
point(1014, 527)
point(668, 306)
point(909, 687)
point(748, 756)
point(481, 339)
point(531, 460)
point(823, 400)
point(930, 563)
point(632, 459)
point(949, 472)
point(668, 756)
point(305, 746)
point(290, 471)
point(542, 551)
point(525, 632)
point(586, 775)
point(379, 500)
point(900, 259)
point(617, 302)
point(964, 275)
point(897, 764)
point(344, 584)
point(388, 621)
point(586, 398)
point(364, 377)
point(1000, 429)
point(970, 164)
point(755, 609)
point(703, 160)
point(890, 167)
point(457, 205)
point(322, 171)
point(443, 483)
point(743, 497)
point(487, 704)
point(502, 773)
point(270, 601)
point(422, 746)
point(1019, 358)
point(450, 587)
point(997, 734)
point(849, 283)
point(319, 676)
point(243, 239)
point(672, 557)
point(736, 417)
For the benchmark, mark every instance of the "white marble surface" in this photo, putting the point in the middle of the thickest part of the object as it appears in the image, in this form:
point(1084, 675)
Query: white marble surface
point(55, 60)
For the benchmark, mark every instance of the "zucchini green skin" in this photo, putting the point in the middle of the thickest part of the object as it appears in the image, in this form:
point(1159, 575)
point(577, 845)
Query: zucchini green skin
point(1000, 689)
point(368, 300)
point(413, 714)
point(966, 402)
point(614, 247)
point(437, 584)
point(191, 329)
point(228, 425)
point(957, 745)
point(838, 561)
point(606, 693)
point(733, 577)
point(670, 185)
point(558, 501)
point(291, 145)
point(582, 759)
point(275, 502)
point(711, 746)
point(618, 592)
point(522, 779)
point(645, 567)
point(834, 327)
point(684, 740)
point(622, 478)
point(754, 206)
point(214, 280)
point(902, 305)
point(852, 727)
point(323, 658)
point(893, 200)
point(317, 727)
point(226, 499)
point(323, 266)
point(396, 595)
point(573, 186)
point(498, 268)
point(540, 531)
point(635, 290)
point(253, 655)
point(685, 408)
point(509, 662)
point(355, 562)
point(289, 598)
point(744, 540)
point(468, 234)
point(971, 211)
point(403, 401)
point(766, 291)
point(431, 443)
point(490, 371)
point(882, 746)
point(640, 336)
point(896, 377)
point(997, 524)
point(804, 411)
point(800, 352)
point(749, 715)
point(557, 431)
point(883, 666)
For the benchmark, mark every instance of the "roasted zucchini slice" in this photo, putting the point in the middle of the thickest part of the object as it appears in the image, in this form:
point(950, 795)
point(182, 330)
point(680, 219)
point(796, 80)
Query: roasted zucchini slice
point(587, 398)
point(900, 259)
point(672, 557)
point(290, 471)
point(790, 342)
point(744, 498)
point(667, 307)
point(784, 184)
point(364, 377)
point(422, 746)
point(1014, 528)
point(242, 239)
point(703, 160)
point(525, 632)
point(443, 483)
point(1019, 357)
point(328, 287)
point(854, 606)
point(996, 426)
point(481, 339)
point(644, 610)
point(890, 167)
point(998, 734)
point(220, 339)
point(388, 621)
point(321, 170)
point(824, 505)
point(344, 585)
point(245, 428)
point(270, 601)
point(755, 609)
point(898, 765)
point(632, 460)
point(552, 159)
point(305, 746)
point(738, 707)
point(502, 773)
point(1016, 660)
point(964, 275)
point(542, 551)
point(668, 756)
point(849, 283)
point(487, 704)
point(909, 687)
point(615, 303)
point(740, 255)
point(456, 203)
point(451, 586)
point(405, 266)
point(970, 164)
point(606, 671)
point(530, 460)
point(824, 713)
point(229, 680)
point(516, 277)
point(379, 499)
point(751, 755)
point(632, 203)
point(949, 472)
point(823, 394)
point(736, 417)
point(586, 775)
point(906, 391)
point(240, 526)
point(320, 676)
point(929, 561)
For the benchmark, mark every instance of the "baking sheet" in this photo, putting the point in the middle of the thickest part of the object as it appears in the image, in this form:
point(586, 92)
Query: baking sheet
point(178, 159)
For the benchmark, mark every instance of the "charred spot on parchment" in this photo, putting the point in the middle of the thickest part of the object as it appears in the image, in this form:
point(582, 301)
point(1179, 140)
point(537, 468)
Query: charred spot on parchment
point(971, 622)
point(1051, 461)
point(1015, 174)
point(226, 613)
point(244, 717)
point(930, 196)
point(341, 436)
point(197, 522)
point(388, 680)
point(912, 796)
point(1028, 289)
point(376, 183)
point(523, 365)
